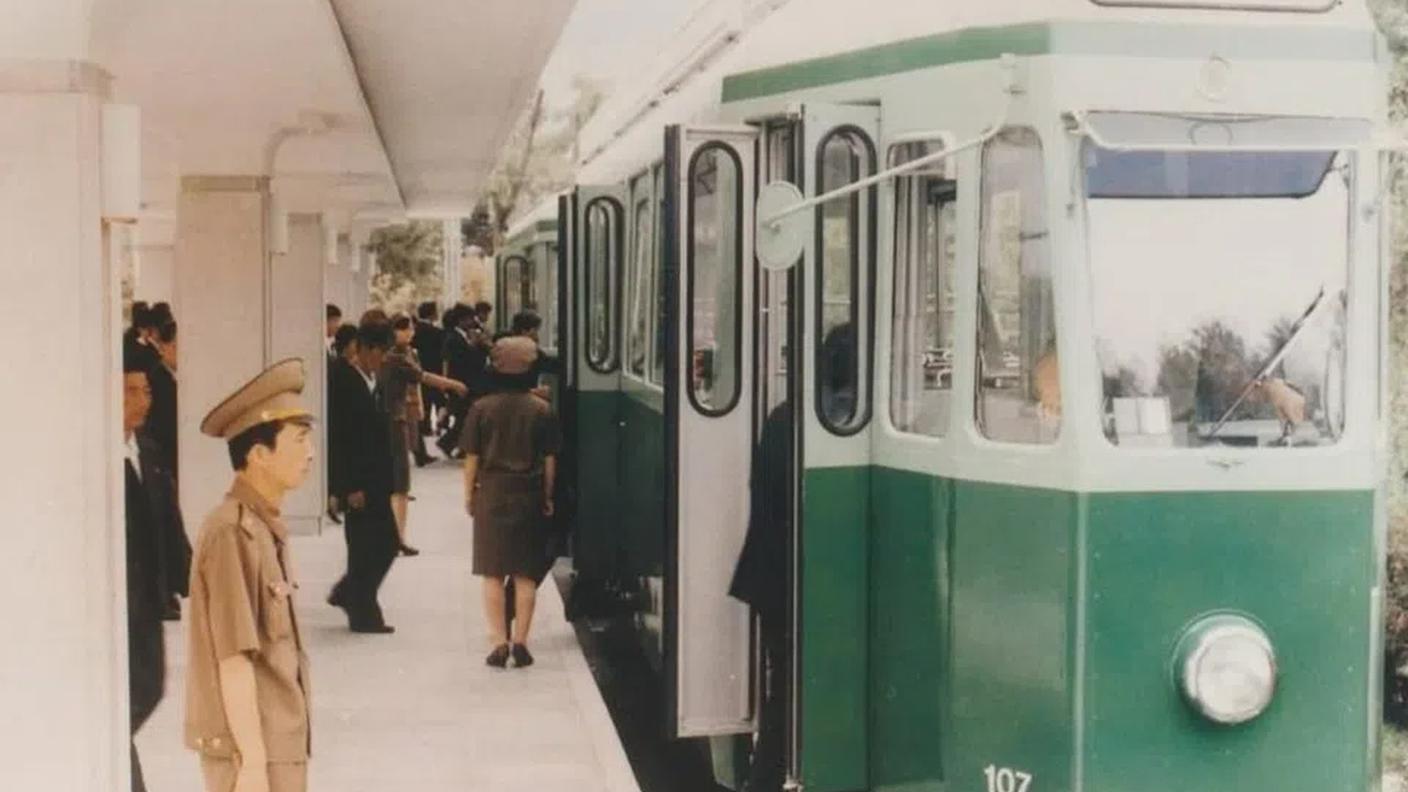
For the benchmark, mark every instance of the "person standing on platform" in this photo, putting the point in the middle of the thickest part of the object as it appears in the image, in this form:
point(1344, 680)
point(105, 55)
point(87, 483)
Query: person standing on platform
point(247, 678)
point(152, 518)
point(511, 444)
point(331, 323)
point(466, 360)
point(137, 341)
point(429, 342)
point(401, 378)
point(343, 353)
point(161, 430)
point(359, 433)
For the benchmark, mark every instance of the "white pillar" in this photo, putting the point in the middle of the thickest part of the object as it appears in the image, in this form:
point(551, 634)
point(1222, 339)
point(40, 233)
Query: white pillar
point(156, 274)
point(63, 678)
point(221, 289)
point(297, 289)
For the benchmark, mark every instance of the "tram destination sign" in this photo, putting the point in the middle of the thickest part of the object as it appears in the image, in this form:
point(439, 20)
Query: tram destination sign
point(1301, 6)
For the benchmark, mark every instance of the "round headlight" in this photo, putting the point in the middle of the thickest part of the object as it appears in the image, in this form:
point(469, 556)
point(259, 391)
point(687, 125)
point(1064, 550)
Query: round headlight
point(1227, 669)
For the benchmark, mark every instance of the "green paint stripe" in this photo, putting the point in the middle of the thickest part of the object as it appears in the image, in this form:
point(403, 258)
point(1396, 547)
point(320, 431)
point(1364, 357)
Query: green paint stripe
point(1054, 38)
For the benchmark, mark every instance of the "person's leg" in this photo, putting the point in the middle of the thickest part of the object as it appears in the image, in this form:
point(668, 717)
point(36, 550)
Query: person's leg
point(288, 777)
point(138, 783)
point(494, 610)
point(399, 505)
point(384, 550)
point(525, 597)
point(350, 592)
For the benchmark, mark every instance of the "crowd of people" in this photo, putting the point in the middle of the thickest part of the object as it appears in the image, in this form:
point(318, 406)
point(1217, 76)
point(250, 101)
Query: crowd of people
point(392, 382)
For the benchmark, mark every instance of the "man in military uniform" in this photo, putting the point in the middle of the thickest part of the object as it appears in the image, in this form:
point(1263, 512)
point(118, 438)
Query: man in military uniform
point(247, 684)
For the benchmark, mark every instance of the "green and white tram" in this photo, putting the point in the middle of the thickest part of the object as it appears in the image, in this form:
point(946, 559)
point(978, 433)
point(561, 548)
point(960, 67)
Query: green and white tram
point(1080, 308)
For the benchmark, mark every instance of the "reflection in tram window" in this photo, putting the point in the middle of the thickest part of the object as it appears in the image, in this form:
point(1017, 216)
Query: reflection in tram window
point(549, 300)
point(1019, 385)
point(517, 285)
point(602, 253)
point(715, 259)
point(637, 339)
point(845, 226)
point(921, 365)
point(1219, 294)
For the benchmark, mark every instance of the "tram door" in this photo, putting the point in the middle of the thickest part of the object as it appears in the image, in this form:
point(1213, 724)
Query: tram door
point(598, 217)
point(709, 191)
point(831, 618)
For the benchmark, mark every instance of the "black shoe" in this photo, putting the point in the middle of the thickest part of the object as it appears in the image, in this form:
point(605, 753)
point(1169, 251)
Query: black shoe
point(499, 657)
point(424, 459)
point(372, 629)
point(335, 598)
point(173, 611)
point(407, 550)
point(332, 515)
point(522, 658)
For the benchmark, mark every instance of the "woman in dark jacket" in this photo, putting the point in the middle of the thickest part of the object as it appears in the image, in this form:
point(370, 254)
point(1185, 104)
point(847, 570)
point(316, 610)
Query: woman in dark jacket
point(511, 442)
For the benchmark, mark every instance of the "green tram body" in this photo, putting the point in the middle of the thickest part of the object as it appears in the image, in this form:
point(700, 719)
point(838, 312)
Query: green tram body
point(967, 608)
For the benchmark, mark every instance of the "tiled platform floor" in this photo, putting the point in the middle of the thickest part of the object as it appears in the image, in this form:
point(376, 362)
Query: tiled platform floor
point(418, 710)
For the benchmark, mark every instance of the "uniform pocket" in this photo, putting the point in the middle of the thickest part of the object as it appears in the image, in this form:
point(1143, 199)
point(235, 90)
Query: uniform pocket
point(277, 609)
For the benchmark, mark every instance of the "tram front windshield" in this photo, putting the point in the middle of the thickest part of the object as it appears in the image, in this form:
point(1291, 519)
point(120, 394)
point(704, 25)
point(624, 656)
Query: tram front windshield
point(1219, 293)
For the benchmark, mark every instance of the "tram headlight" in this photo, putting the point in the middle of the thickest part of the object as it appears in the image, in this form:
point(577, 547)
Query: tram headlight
point(1226, 668)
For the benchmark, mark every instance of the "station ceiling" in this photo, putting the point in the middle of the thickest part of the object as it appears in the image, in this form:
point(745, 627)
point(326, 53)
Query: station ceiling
point(363, 106)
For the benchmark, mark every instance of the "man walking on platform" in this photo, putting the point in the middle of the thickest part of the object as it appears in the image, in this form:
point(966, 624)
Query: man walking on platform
point(467, 360)
point(247, 681)
point(359, 434)
point(429, 343)
point(153, 523)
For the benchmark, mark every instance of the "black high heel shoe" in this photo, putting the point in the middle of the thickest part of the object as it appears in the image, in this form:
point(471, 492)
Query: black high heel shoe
point(522, 658)
point(499, 657)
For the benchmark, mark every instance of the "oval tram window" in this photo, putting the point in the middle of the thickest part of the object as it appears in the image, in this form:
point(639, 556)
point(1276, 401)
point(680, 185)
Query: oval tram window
point(715, 274)
point(602, 249)
point(846, 252)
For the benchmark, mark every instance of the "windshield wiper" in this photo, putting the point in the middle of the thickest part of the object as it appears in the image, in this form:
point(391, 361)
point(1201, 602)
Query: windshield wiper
point(1271, 363)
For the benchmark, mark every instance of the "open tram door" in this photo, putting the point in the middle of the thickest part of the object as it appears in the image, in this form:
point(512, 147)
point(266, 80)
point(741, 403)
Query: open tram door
point(708, 657)
point(597, 222)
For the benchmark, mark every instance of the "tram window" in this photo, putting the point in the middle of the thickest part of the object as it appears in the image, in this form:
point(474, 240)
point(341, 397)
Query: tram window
point(1019, 389)
point(921, 347)
point(516, 287)
point(1219, 295)
point(657, 283)
point(637, 340)
point(603, 257)
point(549, 333)
point(845, 236)
point(715, 275)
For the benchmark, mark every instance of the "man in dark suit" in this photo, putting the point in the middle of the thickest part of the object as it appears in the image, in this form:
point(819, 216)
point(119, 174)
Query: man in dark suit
point(429, 343)
point(359, 438)
point(467, 360)
point(157, 552)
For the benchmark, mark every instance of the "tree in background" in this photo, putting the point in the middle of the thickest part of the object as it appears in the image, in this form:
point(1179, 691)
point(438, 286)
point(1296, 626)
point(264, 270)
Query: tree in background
point(407, 264)
point(538, 160)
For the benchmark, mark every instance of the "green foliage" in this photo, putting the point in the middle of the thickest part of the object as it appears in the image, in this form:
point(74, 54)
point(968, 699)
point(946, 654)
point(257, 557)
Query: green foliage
point(408, 261)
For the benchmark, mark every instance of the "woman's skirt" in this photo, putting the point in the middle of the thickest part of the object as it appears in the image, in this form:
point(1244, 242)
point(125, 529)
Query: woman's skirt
point(510, 531)
point(400, 459)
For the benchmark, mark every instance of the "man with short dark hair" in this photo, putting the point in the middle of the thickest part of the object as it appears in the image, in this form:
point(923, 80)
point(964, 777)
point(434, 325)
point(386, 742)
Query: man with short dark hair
point(467, 360)
point(359, 437)
point(247, 677)
point(330, 325)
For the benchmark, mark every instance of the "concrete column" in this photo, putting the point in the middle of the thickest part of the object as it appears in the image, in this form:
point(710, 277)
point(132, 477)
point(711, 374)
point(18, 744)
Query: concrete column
point(221, 288)
point(63, 678)
point(337, 281)
point(156, 273)
point(361, 265)
point(297, 290)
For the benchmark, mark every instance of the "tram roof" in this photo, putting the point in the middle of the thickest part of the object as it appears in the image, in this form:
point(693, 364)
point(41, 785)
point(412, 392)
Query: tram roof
point(741, 49)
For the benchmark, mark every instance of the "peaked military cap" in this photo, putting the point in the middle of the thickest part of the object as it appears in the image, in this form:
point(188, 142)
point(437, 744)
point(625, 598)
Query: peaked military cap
point(271, 396)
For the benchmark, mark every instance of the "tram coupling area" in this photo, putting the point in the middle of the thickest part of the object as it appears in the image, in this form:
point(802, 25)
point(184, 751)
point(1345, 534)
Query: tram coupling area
point(418, 710)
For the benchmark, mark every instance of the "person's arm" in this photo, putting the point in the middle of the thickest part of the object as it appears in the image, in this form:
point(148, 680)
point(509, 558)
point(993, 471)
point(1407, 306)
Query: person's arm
point(237, 692)
point(443, 383)
point(471, 472)
point(549, 484)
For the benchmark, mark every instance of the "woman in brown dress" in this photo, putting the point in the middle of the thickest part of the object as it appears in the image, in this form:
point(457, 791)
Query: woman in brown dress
point(511, 443)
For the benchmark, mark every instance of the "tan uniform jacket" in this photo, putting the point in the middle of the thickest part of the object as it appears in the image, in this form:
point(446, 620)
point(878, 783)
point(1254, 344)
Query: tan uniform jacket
point(242, 603)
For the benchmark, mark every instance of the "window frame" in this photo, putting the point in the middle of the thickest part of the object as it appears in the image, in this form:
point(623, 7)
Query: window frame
point(612, 206)
point(737, 394)
point(976, 414)
point(936, 142)
point(641, 199)
point(865, 336)
point(517, 264)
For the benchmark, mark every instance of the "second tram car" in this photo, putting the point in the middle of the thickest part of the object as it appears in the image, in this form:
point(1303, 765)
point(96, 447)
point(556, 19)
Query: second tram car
point(1084, 342)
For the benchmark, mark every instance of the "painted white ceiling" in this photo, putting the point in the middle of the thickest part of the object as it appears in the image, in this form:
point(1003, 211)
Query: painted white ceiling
point(382, 104)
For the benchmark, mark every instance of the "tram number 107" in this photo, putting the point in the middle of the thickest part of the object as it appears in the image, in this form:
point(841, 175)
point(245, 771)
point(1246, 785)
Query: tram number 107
point(1005, 779)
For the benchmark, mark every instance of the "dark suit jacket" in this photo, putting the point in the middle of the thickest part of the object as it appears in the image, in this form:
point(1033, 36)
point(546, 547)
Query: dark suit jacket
point(429, 343)
point(158, 565)
point(359, 435)
point(161, 421)
point(467, 362)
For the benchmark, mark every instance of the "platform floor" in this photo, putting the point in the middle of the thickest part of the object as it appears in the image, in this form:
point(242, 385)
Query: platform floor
point(419, 710)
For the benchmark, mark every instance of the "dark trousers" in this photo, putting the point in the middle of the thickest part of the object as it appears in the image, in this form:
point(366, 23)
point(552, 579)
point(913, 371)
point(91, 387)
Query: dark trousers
point(769, 767)
point(372, 545)
point(459, 408)
point(142, 708)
